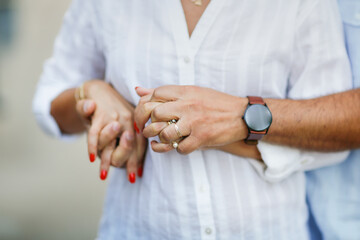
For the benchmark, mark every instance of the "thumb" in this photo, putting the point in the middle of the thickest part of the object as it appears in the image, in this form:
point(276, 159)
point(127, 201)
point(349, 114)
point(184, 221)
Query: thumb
point(85, 108)
point(143, 91)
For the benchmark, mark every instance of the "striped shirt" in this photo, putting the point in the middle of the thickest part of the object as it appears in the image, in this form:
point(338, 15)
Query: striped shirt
point(278, 49)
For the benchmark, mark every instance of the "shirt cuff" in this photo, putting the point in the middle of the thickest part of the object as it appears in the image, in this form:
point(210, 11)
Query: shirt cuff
point(41, 108)
point(279, 162)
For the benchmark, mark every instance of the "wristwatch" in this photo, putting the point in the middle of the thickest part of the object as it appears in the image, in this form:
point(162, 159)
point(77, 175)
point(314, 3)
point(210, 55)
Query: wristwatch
point(257, 118)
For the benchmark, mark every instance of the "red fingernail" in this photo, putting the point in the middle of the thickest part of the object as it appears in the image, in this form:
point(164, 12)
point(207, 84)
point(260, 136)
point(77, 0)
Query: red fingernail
point(136, 128)
point(132, 178)
point(92, 157)
point(140, 171)
point(103, 174)
point(136, 88)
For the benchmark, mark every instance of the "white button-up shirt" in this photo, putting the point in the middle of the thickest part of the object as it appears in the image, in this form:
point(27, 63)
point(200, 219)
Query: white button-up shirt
point(279, 49)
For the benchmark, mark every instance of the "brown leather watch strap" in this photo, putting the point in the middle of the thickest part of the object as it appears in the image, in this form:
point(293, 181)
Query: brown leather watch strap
point(254, 137)
point(256, 100)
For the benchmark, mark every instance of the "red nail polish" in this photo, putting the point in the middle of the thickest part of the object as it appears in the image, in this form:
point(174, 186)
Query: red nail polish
point(136, 128)
point(136, 88)
point(132, 178)
point(92, 157)
point(103, 174)
point(140, 171)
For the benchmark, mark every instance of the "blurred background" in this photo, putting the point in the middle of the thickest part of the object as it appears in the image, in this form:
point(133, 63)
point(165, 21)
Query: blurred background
point(48, 188)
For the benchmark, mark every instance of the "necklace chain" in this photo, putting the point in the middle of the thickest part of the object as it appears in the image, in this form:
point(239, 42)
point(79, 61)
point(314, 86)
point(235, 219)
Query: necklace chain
point(197, 2)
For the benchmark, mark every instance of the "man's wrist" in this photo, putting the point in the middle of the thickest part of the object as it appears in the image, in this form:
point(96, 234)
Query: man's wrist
point(240, 107)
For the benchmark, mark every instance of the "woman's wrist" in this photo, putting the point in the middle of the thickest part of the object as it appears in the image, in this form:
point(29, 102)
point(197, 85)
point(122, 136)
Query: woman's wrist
point(90, 87)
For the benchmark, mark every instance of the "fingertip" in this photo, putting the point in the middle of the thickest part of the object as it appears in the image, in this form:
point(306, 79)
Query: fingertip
point(132, 178)
point(92, 157)
point(103, 175)
point(141, 91)
point(140, 171)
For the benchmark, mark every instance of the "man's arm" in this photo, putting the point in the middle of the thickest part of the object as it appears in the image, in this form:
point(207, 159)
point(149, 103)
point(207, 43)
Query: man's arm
point(329, 123)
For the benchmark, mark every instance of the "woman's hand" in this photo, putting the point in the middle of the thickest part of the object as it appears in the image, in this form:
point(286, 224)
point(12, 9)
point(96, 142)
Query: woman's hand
point(205, 117)
point(111, 116)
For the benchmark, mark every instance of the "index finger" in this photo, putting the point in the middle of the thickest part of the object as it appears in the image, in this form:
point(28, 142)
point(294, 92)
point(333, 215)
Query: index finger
point(168, 93)
point(143, 111)
point(92, 138)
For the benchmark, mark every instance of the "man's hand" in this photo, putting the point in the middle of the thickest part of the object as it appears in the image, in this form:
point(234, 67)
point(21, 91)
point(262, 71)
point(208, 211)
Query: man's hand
point(205, 117)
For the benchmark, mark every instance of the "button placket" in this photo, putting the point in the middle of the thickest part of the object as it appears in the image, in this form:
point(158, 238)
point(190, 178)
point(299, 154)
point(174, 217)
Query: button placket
point(186, 52)
point(203, 198)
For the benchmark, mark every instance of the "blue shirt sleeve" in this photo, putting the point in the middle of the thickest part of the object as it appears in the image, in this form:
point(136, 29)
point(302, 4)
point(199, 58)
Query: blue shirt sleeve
point(350, 11)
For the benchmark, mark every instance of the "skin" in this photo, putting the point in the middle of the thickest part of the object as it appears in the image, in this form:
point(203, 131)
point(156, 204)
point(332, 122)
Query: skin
point(193, 13)
point(216, 125)
point(206, 125)
point(105, 114)
point(329, 123)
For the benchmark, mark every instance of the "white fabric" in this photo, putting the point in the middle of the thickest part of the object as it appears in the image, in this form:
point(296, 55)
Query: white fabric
point(273, 49)
point(281, 166)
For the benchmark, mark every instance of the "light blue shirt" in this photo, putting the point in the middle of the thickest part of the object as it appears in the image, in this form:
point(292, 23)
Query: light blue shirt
point(334, 192)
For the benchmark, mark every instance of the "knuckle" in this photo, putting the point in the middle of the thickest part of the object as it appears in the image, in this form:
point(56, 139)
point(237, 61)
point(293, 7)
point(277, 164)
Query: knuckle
point(155, 113)
point(194, 104)
point(127, 117)
point(142, 101)
point(114, 115)
point(182, 149)
point(117, 161)
point(165, 135)
point(156, 93)
point(117, 164)
point(147, 107)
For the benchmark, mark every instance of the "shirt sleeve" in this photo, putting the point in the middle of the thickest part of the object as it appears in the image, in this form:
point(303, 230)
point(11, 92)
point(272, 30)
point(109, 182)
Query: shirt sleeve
point(77, 57)
point(320, 67)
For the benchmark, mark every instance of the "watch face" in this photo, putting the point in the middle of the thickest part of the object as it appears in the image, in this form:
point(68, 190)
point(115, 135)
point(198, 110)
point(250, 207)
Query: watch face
point(258, 117)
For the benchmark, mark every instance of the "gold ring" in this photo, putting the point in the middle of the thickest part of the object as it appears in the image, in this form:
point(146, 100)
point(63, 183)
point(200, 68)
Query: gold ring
point(172, 121)
point(178, 131)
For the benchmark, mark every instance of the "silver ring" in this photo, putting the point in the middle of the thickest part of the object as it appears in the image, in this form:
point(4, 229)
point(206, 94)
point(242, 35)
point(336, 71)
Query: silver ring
point(178, 131)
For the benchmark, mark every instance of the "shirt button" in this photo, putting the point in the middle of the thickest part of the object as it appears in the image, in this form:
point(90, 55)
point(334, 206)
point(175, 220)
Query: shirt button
point(187, 59)
point(208, 231)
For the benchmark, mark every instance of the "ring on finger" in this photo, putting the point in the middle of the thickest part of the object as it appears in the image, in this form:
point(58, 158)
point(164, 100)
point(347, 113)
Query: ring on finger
point(177, 130)
point(172, 121)
point(175, 145)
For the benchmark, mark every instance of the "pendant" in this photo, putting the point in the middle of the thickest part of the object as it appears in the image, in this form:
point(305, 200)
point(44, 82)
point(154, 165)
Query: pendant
point(197, 2)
